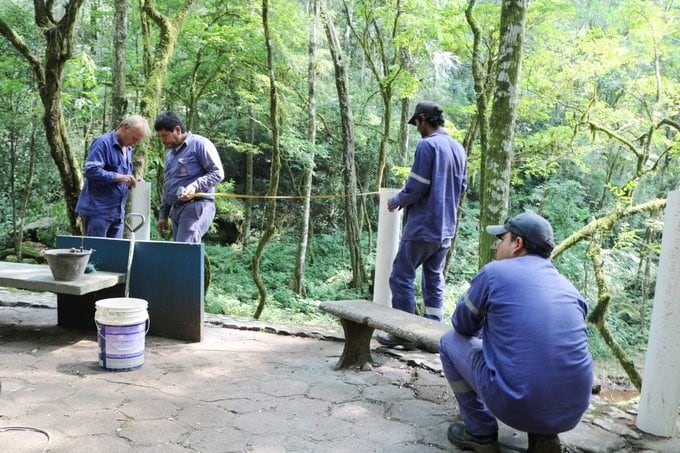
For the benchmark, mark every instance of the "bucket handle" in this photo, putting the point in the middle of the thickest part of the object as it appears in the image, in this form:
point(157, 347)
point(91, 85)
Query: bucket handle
point(99, 334)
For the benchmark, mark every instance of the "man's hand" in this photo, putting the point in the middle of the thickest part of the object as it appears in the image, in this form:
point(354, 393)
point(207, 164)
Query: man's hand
point(128, 180)
point(162, 226)
point(187, 193)
point(392, 206)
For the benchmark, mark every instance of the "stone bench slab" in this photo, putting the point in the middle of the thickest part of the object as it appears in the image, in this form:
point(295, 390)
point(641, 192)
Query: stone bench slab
point(360, 317)
point(38, 277)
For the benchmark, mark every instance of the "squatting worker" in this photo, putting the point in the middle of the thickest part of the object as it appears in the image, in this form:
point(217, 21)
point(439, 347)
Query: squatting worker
point(108, 175)
point(430, 197)
point(518, 351)
point(192, 165)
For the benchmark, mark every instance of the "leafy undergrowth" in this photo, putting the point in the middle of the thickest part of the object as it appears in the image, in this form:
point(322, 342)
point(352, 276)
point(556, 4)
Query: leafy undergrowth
point(232, 291)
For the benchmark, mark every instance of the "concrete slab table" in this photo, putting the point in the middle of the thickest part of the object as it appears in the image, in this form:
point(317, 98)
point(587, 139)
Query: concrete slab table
point(168, 275)
point(38, 277)
point(71, 295)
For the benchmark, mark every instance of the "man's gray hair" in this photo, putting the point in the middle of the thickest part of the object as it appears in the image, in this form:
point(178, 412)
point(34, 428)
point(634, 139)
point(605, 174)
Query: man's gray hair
point(137, 122)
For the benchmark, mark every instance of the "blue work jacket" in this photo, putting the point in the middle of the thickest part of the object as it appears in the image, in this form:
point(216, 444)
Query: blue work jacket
point(101, 196)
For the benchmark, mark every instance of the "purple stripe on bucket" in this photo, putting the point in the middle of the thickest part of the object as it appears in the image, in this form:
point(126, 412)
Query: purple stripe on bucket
point(122, 330)
point(121, 348)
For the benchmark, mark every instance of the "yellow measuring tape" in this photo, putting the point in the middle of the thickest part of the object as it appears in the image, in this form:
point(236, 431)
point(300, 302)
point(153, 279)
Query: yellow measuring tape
point(277, 197)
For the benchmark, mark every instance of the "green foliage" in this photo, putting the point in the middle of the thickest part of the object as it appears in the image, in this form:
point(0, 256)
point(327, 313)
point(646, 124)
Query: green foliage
point(81, 93)
point(400, 175)
point(59, 225)
point(233, 292)
point(588, 138)
point(230, 208)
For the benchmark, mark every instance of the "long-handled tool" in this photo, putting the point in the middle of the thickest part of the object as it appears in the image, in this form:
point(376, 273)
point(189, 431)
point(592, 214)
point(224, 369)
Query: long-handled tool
point(132, 230)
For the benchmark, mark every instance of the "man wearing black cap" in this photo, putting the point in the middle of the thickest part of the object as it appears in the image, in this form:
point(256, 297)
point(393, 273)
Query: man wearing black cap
point(430, 196)
point(518, 350)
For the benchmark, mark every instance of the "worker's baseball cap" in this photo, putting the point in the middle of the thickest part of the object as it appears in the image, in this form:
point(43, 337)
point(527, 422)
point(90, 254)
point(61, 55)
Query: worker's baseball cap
point(427, 109)
point(530, 227)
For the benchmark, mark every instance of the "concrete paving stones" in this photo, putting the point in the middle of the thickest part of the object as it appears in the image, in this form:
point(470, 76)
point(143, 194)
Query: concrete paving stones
point(248, 387)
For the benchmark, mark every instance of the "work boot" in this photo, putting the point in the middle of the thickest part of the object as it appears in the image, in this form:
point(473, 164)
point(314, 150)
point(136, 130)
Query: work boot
point(541, 443)
point(463, 439)
point(391, 341)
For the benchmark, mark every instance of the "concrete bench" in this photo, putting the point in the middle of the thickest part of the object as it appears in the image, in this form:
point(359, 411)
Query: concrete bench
point(38, 277)
point(360, 318)
point(168, 275)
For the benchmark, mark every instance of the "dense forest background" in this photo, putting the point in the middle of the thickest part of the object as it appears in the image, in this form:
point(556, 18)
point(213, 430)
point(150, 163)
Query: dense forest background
point(566, 108)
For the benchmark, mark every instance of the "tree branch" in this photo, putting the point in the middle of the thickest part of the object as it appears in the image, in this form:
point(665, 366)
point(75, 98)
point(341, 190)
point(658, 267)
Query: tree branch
point(613, 135)
point(606, 224)
point(19, 44)
point(670, 123)
point(599, 315)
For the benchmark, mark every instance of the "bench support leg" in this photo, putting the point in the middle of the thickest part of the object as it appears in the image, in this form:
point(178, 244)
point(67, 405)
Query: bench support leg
point(357, 351)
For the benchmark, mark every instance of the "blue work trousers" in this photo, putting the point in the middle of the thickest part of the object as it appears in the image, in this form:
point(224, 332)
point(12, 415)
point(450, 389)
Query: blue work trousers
point(191, 220)
point(432, 257)
point(102, 228)
point(466, 371)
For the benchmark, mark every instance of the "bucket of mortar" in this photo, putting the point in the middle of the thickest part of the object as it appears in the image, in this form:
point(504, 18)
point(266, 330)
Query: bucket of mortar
point(67, 264)
point(122, 324)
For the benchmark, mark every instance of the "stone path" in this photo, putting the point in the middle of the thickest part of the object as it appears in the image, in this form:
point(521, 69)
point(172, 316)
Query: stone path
point(248, 387)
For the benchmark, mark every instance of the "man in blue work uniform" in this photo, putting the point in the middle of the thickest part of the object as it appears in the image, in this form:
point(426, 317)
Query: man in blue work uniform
point(518, 351)
point(108, 175)
point(192, 165)
point(430, 196)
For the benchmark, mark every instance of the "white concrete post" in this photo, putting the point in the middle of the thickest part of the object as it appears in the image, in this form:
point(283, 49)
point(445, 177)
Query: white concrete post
point(389, 227)
point(660, 397)
point(140, 203)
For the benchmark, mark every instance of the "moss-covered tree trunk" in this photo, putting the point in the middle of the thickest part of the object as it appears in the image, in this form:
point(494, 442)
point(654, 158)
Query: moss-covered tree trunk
point(404, 115)
point(270, 209)
point(497, 160)
point(349, 173)
point(18, 220)
point(156, 62)
point(118, 99)
point(248, 164)
point(298, 280)
point(58, 34)
point(606, 224)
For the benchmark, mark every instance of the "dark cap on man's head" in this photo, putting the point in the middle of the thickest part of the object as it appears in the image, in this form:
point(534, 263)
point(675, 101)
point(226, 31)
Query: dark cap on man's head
point(530, 227)
point(426, 108)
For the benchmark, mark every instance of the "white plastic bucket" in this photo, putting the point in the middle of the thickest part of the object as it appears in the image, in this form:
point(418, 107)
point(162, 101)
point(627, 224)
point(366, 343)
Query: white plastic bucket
point(122, 324)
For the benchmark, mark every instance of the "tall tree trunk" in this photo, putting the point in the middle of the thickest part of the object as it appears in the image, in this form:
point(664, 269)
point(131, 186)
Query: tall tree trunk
point(248, 157)
point(118, 100)
point(156, 67)
point(405, 109)
point(58, 35)
point(497, 161)
point(351, 217)
point(270, 209)
point(298, 281)
point(482, 92)
point(384, 138)
point(385, 63)
point(16, 230)
point(405, 106)
point(25, 195)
